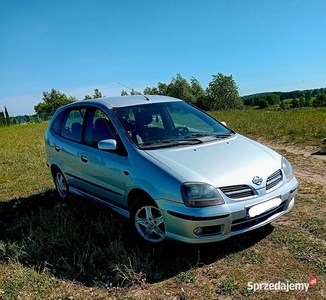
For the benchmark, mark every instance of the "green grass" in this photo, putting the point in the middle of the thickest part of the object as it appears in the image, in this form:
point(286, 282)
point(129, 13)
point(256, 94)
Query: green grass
point(299, 126)
point(81, 250)
point(22, 161)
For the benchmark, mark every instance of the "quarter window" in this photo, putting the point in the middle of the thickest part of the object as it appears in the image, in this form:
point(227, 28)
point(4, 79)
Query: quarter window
point(56, 126)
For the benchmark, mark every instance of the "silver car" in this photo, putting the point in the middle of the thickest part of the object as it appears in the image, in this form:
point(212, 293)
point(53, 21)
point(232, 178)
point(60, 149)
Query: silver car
point(173, 170)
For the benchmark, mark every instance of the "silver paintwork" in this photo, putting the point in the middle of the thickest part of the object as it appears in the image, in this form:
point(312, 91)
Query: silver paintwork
point(112, 179)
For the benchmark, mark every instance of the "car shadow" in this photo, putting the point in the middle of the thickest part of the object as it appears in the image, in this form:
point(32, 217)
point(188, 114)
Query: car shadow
point(83, 241)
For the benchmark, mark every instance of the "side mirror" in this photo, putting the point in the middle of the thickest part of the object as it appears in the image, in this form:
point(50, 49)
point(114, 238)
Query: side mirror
point(107, 145)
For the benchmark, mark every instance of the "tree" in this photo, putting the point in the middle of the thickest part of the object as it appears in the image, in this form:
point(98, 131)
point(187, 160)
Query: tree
point(97, 94)
point(319, 101)
point(248, 101)
point(282, 105)
point(133, 92)
point(2, 119)
point(198, 93)
point(181, 89)
point(294, 103)
point(151, 91)
point(52, 101)
point(223, 93)
point(307, 96)
point(161, 89)
point(272, 99)
point(263, 104)
point(7, 116)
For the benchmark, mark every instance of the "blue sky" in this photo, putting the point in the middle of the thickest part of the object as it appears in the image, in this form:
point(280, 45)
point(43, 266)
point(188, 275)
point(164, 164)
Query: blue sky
point(77, 45)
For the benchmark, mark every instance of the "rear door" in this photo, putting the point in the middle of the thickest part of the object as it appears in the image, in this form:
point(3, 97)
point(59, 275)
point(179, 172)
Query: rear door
point(68, 145)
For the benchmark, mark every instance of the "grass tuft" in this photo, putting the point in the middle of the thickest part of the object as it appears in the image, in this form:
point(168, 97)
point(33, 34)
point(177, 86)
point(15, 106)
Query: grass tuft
point(227, 287)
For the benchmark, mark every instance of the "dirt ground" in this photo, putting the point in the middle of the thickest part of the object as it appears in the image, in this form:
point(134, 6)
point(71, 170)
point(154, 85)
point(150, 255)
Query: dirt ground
point(309, 163)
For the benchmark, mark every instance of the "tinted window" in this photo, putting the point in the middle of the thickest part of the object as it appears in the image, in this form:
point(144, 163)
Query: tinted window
point(73, 124)
point(56, 126)
point(98, 128)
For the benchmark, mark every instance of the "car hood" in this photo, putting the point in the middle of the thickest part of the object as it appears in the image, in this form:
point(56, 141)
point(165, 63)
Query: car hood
point(224, 162)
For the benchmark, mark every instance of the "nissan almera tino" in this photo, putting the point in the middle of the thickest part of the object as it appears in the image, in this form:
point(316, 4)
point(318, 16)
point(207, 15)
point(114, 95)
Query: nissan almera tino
point(173, 170)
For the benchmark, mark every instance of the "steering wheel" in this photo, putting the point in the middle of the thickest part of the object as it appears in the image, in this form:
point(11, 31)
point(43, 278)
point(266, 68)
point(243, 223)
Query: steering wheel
point(181, 130)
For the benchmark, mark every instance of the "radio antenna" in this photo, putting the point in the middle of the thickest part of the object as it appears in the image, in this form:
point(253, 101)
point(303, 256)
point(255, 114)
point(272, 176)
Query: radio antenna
point(137, 93)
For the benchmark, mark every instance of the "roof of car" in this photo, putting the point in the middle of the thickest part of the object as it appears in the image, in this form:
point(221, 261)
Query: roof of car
point(124, 101)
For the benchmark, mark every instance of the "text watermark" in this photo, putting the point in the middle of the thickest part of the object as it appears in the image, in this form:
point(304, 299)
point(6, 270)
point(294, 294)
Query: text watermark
point(282, 286)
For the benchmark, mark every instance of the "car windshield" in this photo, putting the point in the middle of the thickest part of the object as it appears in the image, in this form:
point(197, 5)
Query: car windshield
point(169, 124)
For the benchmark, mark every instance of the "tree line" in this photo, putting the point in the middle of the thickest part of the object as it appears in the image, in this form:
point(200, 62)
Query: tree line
point(222, 93)
point(305, 98)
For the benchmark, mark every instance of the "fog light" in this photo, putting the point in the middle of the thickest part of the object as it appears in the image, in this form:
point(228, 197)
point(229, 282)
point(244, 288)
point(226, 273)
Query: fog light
point(291, 202)
point(198, 230)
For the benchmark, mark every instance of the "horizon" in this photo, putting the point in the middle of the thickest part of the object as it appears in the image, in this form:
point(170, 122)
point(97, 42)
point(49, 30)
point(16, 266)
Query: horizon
point(104, 96)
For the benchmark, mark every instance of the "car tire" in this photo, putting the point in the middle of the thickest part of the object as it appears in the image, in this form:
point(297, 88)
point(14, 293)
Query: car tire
point(147, 221)
point(61, 184)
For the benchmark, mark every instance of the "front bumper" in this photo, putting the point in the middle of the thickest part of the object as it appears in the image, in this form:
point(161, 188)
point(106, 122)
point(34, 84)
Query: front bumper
point(211, 224)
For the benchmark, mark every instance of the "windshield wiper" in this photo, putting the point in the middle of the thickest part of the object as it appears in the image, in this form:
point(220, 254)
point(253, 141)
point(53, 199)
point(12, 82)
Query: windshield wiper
point(205, 135)
point(167, 143)
point(197, 135)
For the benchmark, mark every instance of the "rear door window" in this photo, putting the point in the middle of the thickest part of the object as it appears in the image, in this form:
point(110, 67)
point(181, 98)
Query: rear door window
point(73, 124)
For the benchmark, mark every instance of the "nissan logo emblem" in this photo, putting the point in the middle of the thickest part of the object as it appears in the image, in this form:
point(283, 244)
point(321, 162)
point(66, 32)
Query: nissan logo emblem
point(257, 180)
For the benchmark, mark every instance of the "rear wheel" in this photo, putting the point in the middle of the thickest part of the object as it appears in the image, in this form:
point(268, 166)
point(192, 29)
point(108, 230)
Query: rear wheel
point(148, 221)
point(61, 184)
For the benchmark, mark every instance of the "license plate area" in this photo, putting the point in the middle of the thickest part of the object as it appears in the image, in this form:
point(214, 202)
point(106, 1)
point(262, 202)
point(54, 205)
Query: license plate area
point(263, 207)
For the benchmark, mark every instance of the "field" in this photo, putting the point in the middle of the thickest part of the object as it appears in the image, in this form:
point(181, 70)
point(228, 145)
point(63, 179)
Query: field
point(81, 250)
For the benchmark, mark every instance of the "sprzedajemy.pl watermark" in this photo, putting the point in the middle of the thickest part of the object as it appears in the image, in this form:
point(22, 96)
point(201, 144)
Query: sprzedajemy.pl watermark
point(282, 286)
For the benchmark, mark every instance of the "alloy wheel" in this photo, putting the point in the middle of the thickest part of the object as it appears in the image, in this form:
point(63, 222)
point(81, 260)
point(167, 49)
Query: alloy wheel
point(149, 223)
point(61, 185)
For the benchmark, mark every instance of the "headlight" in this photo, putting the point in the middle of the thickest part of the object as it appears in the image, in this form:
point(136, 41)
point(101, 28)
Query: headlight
point(287, 168)
point(200, 195)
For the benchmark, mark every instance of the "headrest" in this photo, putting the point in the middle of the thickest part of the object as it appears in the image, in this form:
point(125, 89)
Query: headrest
point(144, 118)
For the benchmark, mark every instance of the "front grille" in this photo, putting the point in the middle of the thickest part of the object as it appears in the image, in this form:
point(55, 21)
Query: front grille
point(273, 180)
point(237, 191)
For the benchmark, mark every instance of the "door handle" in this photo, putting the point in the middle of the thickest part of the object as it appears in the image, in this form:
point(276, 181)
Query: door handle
point(84, 159)
point(57, 148)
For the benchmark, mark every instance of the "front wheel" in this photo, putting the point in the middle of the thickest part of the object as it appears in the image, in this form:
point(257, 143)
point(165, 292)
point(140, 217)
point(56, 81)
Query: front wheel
point(148, 222)
point(61, 184)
